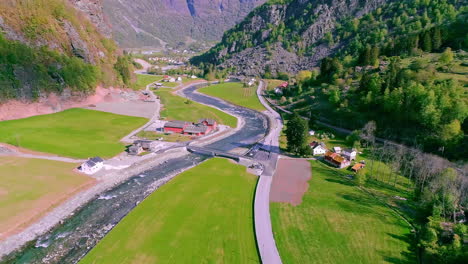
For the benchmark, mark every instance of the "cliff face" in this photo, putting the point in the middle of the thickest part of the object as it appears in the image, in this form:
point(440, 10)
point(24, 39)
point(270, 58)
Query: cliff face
point(154, 23)
point(285, 37)
point(95, 13)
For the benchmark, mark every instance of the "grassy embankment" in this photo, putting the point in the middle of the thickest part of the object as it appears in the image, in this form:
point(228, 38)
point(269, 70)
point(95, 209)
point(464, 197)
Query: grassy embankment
point(77, 133)
point(145, 79)
point(30, 187)
point(339, 223)
point(235, 93)
point(179, 108)
point(203, 215)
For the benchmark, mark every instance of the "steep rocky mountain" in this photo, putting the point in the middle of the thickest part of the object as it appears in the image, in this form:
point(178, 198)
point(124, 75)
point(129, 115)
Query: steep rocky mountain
point(285, 35)
point(52, 46)
point(155, 23)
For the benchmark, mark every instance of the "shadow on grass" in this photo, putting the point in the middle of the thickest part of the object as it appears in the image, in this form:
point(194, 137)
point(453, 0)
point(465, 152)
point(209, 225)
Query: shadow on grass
point(340, 181)
point(380, 185)
point(406, 257)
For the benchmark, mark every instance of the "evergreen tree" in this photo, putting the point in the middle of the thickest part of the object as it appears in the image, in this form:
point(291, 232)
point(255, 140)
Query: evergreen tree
point(296, 133)
point(427, 42)
point(437, 39)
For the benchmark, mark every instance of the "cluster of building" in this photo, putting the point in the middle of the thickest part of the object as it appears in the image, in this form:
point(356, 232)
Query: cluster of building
point(169, 60)
point(140, 146)
point(337, 157)
point(202, 127)
point(167, 78)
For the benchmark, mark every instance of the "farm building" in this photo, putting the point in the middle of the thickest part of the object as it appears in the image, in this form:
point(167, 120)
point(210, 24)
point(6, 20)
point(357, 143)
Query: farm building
point(135, 149)
point(92, 165)
point(196, 130)
point(141, 145)
point(336, 160)
point(210, 123)
point(337, 150)
point(318, 148)
point(357, 167)
point(349, 153)
point(175, 126)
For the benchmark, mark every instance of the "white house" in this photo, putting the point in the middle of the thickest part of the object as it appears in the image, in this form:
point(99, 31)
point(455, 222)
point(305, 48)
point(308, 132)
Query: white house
point(311, 132)
point(179, 79)
point(193, 77)
point(318, 148)
point(92, 165)
point(348, 153)
point(278, 91)
point(337, 150)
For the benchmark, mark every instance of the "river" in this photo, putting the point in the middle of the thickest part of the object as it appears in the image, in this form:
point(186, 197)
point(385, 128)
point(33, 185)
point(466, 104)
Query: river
point(77, 235)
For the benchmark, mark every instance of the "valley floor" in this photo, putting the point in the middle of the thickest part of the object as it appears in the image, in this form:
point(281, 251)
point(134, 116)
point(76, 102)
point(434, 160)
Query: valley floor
point(49, 184)
point(339, 223)
point(204, 214)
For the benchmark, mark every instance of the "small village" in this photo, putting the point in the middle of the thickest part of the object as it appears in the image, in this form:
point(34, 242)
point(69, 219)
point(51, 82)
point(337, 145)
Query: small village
point(141, 147)
point(337, 157)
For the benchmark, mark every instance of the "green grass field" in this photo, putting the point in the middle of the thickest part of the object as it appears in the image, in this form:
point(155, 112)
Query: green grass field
point(235, 93)
point(204, 215)
point(176, 108)
point(339, 223)
point(145, 79)
point(30, 187)
point(77, 133)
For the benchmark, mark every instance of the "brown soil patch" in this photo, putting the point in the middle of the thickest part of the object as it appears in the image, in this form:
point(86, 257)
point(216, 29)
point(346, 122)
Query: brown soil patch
point(52, 103)
point(42, 206)
point(290, 181)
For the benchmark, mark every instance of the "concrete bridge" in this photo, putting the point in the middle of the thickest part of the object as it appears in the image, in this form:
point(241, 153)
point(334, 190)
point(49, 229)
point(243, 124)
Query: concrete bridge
point(244, 160)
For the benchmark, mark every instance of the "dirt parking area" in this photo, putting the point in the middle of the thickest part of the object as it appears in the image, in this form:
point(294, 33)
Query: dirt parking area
point(290, 181)
point(137, 108)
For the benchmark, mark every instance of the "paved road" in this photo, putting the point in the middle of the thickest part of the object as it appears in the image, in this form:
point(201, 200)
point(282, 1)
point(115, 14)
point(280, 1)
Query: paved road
point(263, 230)
point(9, 151)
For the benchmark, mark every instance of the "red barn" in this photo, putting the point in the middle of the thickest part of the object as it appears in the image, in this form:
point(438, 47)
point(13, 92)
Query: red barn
point(210, 123)
point(284, 85)
point(196, 130)
point(175, 126)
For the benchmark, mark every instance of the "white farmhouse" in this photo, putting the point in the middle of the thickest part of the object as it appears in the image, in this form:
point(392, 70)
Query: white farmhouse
point(92, 165)
point(349, 153)
point(318, 148)
point(337, 150)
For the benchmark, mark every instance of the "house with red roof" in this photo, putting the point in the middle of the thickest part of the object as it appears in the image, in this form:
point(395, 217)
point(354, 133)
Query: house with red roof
point(336, 160)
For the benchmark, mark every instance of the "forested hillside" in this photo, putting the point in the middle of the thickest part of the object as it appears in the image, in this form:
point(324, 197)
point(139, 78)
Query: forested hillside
point(402, 65)
point(49, 46)
point(411, 82)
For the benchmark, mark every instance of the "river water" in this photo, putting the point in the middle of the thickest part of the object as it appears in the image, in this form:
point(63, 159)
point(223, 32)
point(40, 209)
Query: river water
point(70, 241)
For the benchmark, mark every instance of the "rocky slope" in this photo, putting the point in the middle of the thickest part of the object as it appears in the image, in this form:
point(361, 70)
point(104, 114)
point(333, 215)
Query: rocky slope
point(53, 46)
point(95, 12)
point(155, 23)
point(285, 36)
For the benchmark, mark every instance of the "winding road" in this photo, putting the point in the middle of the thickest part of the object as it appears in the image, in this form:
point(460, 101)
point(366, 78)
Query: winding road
point(263, 229)
point(80, 230)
